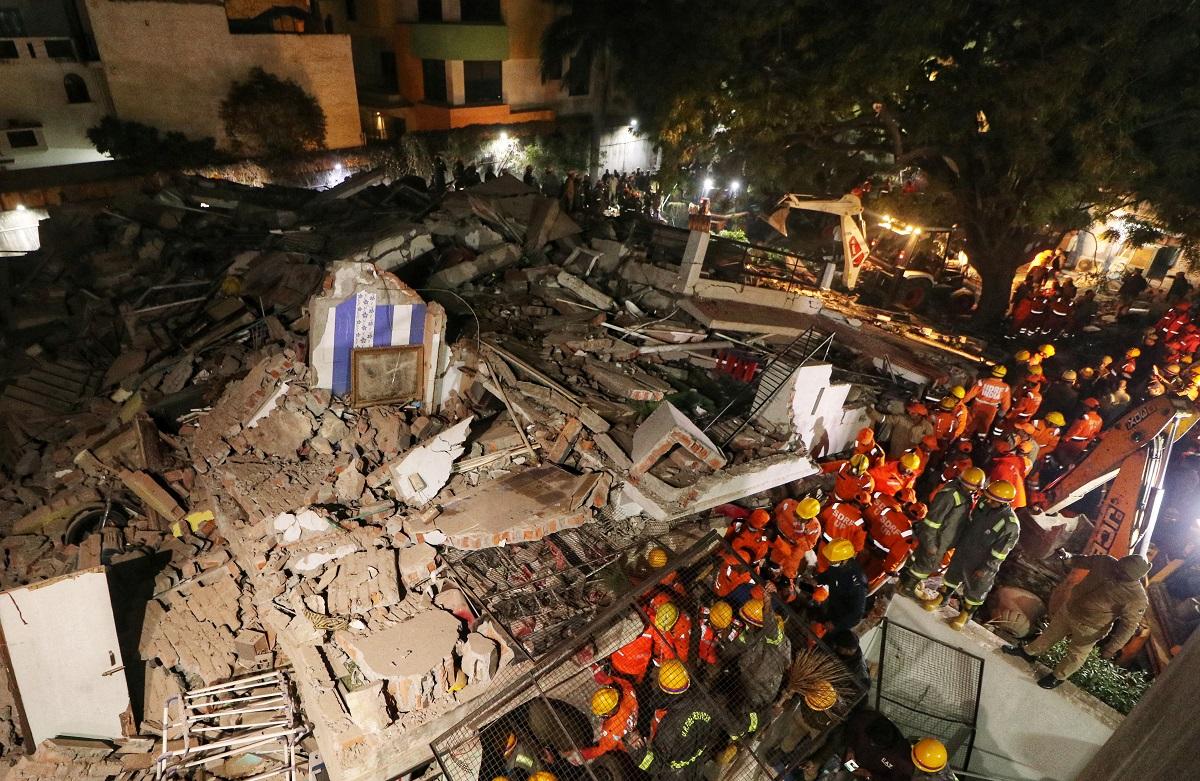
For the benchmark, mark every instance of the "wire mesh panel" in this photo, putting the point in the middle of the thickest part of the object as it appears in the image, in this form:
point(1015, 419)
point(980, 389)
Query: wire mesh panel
point(929, 689)
point(663, 683)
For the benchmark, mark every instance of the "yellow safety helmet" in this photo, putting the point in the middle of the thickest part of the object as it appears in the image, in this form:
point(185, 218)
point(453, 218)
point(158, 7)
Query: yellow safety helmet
point(721, 615)
point(1001, 491)
point(605, 700)
point(752, 612)
point(1047, 350)
point(838, 550)
point(910, 461)
point(665, 616)
point(1069, 375)
point(808, 508)
point(1022, 356)
point(673, 677)
point(1056, 419)
point(1133, 352)
point(500, 778)
point(821, 697)
point(859, 463)
point(999, 371)
point(948, 403)
point(543, 775)
point(657, 558)
point(973, 477)
point(958, 392)
point(929, 755)
point(1173, 369)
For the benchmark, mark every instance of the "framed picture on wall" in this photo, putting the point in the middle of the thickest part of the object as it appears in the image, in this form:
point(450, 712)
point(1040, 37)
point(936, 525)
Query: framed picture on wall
point(386, 375)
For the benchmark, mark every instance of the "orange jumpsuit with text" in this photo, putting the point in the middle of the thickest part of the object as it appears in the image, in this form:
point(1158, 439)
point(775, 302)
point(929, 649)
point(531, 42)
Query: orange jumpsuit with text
point(891, 542)
point(987, 398)
point(889, 480)
point(1079, 436)
point(617, 724)
point(848, 485)
point(842, 520)
point(788, 553)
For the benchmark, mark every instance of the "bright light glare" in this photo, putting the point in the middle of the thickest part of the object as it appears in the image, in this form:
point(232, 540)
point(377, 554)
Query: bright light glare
point(735, 185)
point(337, 167)
point(20, 207)
point(633, 122)
point(708, 184)
point(917, 231)
point(503, 138)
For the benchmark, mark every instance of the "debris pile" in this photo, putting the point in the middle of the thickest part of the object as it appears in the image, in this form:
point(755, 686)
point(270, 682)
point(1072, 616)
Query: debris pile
point(290, 407)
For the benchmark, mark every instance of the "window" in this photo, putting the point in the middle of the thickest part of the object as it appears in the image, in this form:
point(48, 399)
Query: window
point(388, 79)
point(59, 49)
point(433, 73)
point(429, 10)
point(579, 75)
point(11, 24)
point(23, 139)
point(351, 11)
point(483, 81)
point(77, 91)
point(8, 50)
point(481, 10)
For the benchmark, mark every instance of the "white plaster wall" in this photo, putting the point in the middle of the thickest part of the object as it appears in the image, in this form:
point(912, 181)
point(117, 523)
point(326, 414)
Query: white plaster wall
point(170, 64)
point(623, 150)
point(31, 89)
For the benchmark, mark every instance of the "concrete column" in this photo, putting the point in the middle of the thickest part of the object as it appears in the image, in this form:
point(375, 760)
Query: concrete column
point(693, 261)
point(456, 82)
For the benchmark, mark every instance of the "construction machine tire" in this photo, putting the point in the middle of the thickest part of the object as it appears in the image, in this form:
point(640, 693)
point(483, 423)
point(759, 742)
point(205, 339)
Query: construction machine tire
point(914, 294)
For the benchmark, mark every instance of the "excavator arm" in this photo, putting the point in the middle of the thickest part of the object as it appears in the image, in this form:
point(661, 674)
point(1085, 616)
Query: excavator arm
point(1134, 452)
point(849, 209)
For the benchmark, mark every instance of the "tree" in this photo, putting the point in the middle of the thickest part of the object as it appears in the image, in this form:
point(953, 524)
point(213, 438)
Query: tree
point(148, 147)
point(269, 116)
point(582, 34)
point(1016, 121)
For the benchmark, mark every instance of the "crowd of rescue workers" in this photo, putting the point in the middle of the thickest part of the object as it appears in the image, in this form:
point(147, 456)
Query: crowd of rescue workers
point(923, 494)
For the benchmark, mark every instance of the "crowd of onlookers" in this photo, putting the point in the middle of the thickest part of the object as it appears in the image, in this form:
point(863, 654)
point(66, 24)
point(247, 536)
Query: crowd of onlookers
point(613, 191)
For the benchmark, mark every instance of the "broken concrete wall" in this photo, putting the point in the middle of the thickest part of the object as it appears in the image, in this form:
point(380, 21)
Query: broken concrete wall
point(361, 307)
point(810, 408)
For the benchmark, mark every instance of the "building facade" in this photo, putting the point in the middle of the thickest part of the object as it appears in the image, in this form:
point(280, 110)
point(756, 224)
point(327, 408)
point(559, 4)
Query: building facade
point(51, 87)
point(443, 64)
point(170, 63)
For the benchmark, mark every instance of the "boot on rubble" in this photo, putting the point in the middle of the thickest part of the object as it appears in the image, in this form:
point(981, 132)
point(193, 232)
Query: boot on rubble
point(960, 620)
point(937, 600)
point(908, 585)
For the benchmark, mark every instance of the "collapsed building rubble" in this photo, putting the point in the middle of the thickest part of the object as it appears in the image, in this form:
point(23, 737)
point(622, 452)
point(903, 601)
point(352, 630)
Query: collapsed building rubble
point(345, 432)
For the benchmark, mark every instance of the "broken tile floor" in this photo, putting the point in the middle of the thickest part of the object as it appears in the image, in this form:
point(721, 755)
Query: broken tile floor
point(389, 442)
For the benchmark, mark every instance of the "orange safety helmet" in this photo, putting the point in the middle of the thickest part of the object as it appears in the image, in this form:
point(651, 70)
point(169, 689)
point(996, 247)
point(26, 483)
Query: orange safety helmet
point(916, 510)
point(759, 519)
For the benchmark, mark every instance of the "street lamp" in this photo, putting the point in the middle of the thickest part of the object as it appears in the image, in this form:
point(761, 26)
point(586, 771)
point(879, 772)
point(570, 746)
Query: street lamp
point(633, 123)
point(734, 186)
point(708, 185)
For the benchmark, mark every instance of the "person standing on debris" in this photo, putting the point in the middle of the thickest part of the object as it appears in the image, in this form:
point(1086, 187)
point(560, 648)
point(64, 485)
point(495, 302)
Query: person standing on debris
point(945, 421)
point(1108, 602)
point(939, 531)
point(988, 398)
point(439, 174)
point(891, 532)
point(851, 477)
point(615, 703)
point(909, 429)
point(895, 476)
point(1024, 407)
point(684, 730)
point(1081, 433)
point(798, 534)
point(989, 536)
point(844, 521)
point(528, 178)
point(841, 595)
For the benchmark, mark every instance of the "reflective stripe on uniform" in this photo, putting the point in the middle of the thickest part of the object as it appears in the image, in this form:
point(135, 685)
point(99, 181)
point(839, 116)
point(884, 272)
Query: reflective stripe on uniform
point(932, 525)
point(1001, 556)
point(647, 761)
point(906, 533)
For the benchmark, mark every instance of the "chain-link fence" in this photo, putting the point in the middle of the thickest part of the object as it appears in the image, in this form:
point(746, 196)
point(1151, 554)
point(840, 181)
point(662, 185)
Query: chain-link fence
point(663, 683)
point(929, 689)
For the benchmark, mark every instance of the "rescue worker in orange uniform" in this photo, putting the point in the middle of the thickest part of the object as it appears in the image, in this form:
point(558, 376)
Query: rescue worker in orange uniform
point(945, 421)
point(1011, 467)
point(668, 637)
point(713, 622)
point(750, 544)
point(1129, 364)
point(750, 536)
point(891, 531)
point(865, 443)
point(1046, 433)
point(988, 398)
point(1025, 405)
point(851, 477)
point(615, 703)
point(897, 475)
point(1081, 433)
point(842, 520)
point(788, 551)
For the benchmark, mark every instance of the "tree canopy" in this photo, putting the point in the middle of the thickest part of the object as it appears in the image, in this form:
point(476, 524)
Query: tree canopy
point(269, 116)
point(1014, 120)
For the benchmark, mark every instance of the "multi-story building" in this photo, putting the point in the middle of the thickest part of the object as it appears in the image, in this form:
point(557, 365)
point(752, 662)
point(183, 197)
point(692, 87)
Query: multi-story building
point(170, 63)
point(442, 64)
point(51, 87)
